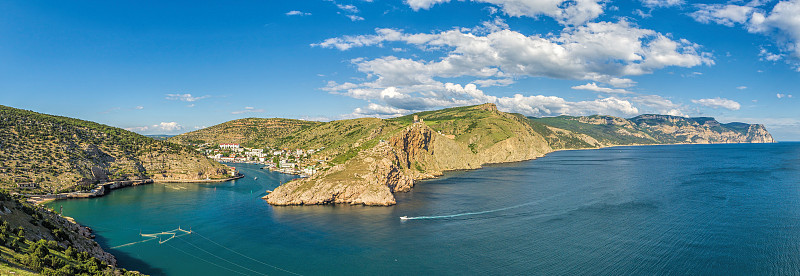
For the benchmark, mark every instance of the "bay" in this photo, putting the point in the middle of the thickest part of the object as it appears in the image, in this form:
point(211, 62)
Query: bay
point(729, 209)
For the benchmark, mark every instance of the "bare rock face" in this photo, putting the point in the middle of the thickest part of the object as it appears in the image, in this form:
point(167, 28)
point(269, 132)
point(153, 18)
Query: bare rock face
point(368, 178)
point(415, 153)
point(411, 143)
point(758, 134)
point(419, 152)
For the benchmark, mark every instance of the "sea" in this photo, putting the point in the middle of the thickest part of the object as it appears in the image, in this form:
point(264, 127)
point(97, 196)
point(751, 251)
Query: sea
point(730, 209)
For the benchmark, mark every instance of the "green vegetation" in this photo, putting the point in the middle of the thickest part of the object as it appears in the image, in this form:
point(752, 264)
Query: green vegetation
point(60, 154)
point(23, 256)
point(610, 134)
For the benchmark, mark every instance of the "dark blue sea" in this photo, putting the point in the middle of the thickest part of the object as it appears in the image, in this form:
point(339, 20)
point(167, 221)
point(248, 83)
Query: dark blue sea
point(684, 209)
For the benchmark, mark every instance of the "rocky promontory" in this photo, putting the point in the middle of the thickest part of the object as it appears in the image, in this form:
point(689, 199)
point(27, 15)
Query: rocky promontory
point(469, 137)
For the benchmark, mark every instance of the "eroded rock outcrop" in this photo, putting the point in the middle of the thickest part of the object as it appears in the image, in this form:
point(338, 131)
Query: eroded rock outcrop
point(469, 137)
point(415, 153)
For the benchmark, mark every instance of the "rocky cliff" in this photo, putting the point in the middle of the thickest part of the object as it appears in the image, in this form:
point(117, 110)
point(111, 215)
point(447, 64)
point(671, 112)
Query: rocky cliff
point(416, 152)
point(469, 137)
point(659, 129)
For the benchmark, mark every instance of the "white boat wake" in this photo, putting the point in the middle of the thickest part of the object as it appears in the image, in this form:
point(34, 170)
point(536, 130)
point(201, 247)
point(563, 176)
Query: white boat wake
point(405, 218)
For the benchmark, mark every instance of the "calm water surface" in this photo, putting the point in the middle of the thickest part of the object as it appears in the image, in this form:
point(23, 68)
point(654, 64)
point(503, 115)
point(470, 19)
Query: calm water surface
point(689, 209)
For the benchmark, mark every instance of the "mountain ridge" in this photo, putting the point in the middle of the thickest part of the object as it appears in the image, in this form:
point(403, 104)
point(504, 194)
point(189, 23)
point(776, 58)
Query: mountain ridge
point(374, 158)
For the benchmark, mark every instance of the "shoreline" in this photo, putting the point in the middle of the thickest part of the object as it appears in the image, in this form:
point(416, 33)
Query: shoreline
point(199, 180)
point(507, 162)
point(107, 187)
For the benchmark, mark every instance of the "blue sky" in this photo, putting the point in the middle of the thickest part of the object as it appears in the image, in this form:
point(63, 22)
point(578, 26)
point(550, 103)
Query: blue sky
point(156, 67)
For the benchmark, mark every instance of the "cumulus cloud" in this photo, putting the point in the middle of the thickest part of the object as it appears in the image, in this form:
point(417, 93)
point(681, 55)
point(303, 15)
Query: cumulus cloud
point(719, 103)
point(139, 107)
point(291, 13)
point(741, 87)
point(781, 22)
point(248, 109)
point(593, 87)
point(659, 105)
point(567, 12)
point(603, 52)
point(781, 96)
point(185, 97)
point(163, 127)
point(768, 56)
point(492, 55)
point(550, 105)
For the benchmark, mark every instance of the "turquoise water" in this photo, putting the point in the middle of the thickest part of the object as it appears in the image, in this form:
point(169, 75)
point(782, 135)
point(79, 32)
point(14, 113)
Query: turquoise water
point(689, 209)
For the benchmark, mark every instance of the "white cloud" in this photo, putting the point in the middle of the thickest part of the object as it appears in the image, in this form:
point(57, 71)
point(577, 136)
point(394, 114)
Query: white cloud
point(168, 126)
point(137, 129)
point(248, 109)
point(550, 106)
point(493, 82)
point(163, 127)
point(719, 103)
point(741, 87)
point(185, 97)
point(573, 12)
point(602, 52)
point(768, 56)
point(781, 96)
point(782, 22)
point(291, 13)
point(348, 8)
point(727, 15)
point(354, 17)
point(659, 105)
point(139, 107)
point(593, 87)
point(661, 3)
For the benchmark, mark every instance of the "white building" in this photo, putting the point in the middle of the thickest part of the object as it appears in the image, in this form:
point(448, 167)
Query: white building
point(309, 170)
point(286, 165)
point(229, 146)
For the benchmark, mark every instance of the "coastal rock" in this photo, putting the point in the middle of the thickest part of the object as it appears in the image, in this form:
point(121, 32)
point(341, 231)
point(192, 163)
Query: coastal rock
point(469, 137)
point(415, 153)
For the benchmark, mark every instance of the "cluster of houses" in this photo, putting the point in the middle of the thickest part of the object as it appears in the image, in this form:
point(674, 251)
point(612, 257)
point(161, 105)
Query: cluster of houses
point(290, 161)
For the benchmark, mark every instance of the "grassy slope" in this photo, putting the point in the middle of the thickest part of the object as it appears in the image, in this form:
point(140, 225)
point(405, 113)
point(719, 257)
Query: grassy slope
point(472, 126)
point(59, 151)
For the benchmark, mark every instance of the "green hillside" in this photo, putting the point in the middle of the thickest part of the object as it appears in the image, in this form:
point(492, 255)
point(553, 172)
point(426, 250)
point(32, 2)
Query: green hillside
point(60, 251)
point(58, 154)
point(364, 161)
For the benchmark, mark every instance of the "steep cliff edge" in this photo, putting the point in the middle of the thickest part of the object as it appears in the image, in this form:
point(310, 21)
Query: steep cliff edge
point(450, 139)
point(659, 129)
point(468, 137)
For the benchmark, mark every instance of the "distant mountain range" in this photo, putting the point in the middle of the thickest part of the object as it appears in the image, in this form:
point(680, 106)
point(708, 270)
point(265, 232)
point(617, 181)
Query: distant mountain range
point(50, 154)
point(365, 161)
point(162, 137)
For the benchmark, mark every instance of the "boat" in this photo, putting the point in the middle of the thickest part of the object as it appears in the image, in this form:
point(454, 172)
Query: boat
point(403, 218)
